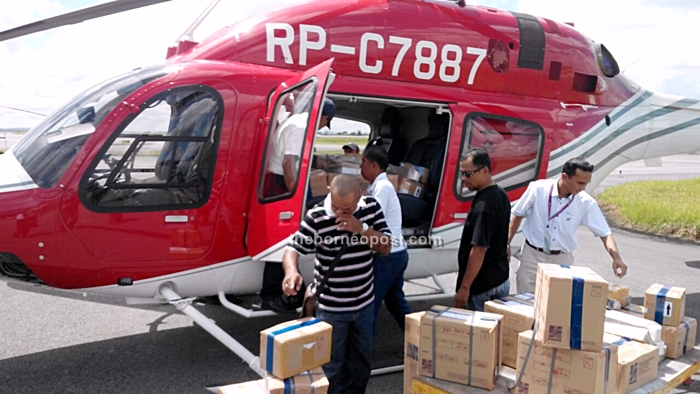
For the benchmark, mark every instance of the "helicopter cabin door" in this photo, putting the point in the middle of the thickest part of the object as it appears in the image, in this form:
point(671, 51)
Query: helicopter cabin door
point(515, 147)
point(277, 204)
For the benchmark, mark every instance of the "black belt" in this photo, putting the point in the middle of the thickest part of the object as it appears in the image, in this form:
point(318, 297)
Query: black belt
point(542, 250)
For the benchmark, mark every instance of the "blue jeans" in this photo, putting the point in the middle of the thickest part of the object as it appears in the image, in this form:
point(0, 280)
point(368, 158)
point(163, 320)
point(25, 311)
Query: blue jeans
point(388, 285)
point(476, 301)
point(351, 351)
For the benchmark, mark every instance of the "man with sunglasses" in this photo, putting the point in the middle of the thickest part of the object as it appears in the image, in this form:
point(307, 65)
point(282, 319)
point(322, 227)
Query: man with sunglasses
point(554, 209)
point(483, 255)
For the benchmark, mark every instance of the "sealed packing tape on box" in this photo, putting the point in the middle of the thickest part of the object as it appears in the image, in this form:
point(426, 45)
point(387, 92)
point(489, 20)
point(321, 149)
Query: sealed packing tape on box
point(665, 305)
point(411, 350)
point(636, 363)
point(679, 339)
point(307, 382)
point(517, 317)
point(460, 346)
point(570, 306)
point(295, 346)
point(565, 371)
point(654, 328)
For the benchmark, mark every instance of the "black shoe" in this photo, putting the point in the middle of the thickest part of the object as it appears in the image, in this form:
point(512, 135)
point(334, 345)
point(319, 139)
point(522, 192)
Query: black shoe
point(278, 305)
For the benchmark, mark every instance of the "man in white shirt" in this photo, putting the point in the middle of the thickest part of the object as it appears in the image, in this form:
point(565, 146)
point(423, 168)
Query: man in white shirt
point(389, 269)
point(554, 210)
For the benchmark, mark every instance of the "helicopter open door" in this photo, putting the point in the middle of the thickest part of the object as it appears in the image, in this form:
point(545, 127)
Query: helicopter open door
point(292, 117)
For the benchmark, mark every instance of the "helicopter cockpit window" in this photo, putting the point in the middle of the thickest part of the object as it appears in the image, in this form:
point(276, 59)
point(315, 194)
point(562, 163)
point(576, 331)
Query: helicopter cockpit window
point(50, 147)
point(285, 142)
point(514, 146)
point(163, 157)
point(606, 61)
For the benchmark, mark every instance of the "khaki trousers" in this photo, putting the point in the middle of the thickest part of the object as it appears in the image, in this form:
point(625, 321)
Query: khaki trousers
point(526, 276)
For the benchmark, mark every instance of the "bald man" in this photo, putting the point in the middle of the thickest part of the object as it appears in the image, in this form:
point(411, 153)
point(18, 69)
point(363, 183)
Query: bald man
point(345, 216)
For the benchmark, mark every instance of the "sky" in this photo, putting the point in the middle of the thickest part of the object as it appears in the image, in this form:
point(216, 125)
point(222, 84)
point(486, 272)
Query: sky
point(651, 40)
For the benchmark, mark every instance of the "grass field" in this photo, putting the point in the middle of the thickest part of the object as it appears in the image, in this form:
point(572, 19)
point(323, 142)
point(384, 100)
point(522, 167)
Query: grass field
point(669, 208)
point(342, 139)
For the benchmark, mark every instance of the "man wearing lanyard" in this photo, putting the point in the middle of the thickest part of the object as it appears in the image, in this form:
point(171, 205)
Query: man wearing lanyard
point(554, 210)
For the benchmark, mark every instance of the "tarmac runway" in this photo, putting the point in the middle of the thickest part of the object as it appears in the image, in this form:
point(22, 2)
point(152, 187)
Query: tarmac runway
point(54, 341)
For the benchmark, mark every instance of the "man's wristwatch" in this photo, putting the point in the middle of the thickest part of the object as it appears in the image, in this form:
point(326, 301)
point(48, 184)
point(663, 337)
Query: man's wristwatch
point(365, 227)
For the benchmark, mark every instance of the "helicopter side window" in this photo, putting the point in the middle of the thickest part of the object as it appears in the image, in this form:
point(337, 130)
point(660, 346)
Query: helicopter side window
point(285, 142)
point(514, 146)
point(163, 157)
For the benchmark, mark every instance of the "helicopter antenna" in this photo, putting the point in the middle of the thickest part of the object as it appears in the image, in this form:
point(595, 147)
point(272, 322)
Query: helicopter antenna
point(189, 33)
point(630, 65)
point(22, 110)
point(186, 40)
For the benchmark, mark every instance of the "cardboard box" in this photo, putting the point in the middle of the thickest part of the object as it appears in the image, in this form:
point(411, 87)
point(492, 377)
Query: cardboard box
point(636, 363)
point(460, 346)
point(679, 339)
point(318, 183)
point(633, 309)
point(411, 350)
point(525, 298)
point(636, 320)
point(307, 382)
point(570, 305)
point(565, 371)
point(665, 305)
point(397, 170)
point(639, 334)
point(618, 293)
point(517, 317)
point(412, 187)
point(295, 346)
point(415, 173)
point(320, 162)
point(395, 180)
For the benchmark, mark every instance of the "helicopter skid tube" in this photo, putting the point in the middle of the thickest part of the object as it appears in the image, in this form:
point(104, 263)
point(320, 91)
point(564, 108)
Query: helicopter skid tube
point(185, 305)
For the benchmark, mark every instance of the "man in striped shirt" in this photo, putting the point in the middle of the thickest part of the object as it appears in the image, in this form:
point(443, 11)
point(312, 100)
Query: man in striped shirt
point(345, 216)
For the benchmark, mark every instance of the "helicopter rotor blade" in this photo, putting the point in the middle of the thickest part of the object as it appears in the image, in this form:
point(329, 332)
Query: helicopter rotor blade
point(70, 18)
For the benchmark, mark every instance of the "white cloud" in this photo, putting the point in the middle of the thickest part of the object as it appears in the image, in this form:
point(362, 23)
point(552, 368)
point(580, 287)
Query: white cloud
point(41, 71)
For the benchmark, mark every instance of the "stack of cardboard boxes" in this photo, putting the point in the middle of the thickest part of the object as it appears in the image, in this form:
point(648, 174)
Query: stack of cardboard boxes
point(408, 178)
point(454, 345)
point(292, 354)
point(326, 167)
point(666, 306)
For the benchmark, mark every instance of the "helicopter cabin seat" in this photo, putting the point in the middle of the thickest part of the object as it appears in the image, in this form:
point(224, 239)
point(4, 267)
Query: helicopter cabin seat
point(390, 137)
point(427, 152)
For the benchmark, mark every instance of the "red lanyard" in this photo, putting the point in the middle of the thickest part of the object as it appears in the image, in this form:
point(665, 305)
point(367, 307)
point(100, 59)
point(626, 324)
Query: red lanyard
point(549, 206)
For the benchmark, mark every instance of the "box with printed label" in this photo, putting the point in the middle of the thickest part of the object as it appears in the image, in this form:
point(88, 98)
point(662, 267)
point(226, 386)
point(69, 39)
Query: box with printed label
point(636, 363)
point(517, 317)
point(570, 305)
point(565, 371)
point(411, 350)
point(414, 172)
point(679, 339)
point(524, 298)
point(412, 187)
point(665, 305)
point(460, 346)
point(295, 346)
point(307, 382)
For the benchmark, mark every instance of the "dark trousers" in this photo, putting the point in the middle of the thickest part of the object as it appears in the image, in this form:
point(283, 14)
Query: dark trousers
point(388, 286)
point(273, 275)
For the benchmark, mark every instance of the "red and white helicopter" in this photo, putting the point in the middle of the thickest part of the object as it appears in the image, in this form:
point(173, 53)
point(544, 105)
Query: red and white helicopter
point(151, 185)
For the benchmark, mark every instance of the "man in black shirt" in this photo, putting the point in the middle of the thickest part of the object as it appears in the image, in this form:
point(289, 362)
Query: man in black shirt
point(483, 251)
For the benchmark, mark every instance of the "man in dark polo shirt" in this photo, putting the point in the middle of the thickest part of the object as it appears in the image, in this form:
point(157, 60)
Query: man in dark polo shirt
point(483, 251)
point(345, 216)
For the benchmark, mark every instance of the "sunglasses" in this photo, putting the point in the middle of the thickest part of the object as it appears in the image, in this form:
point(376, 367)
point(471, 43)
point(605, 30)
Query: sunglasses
point(468, 174)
